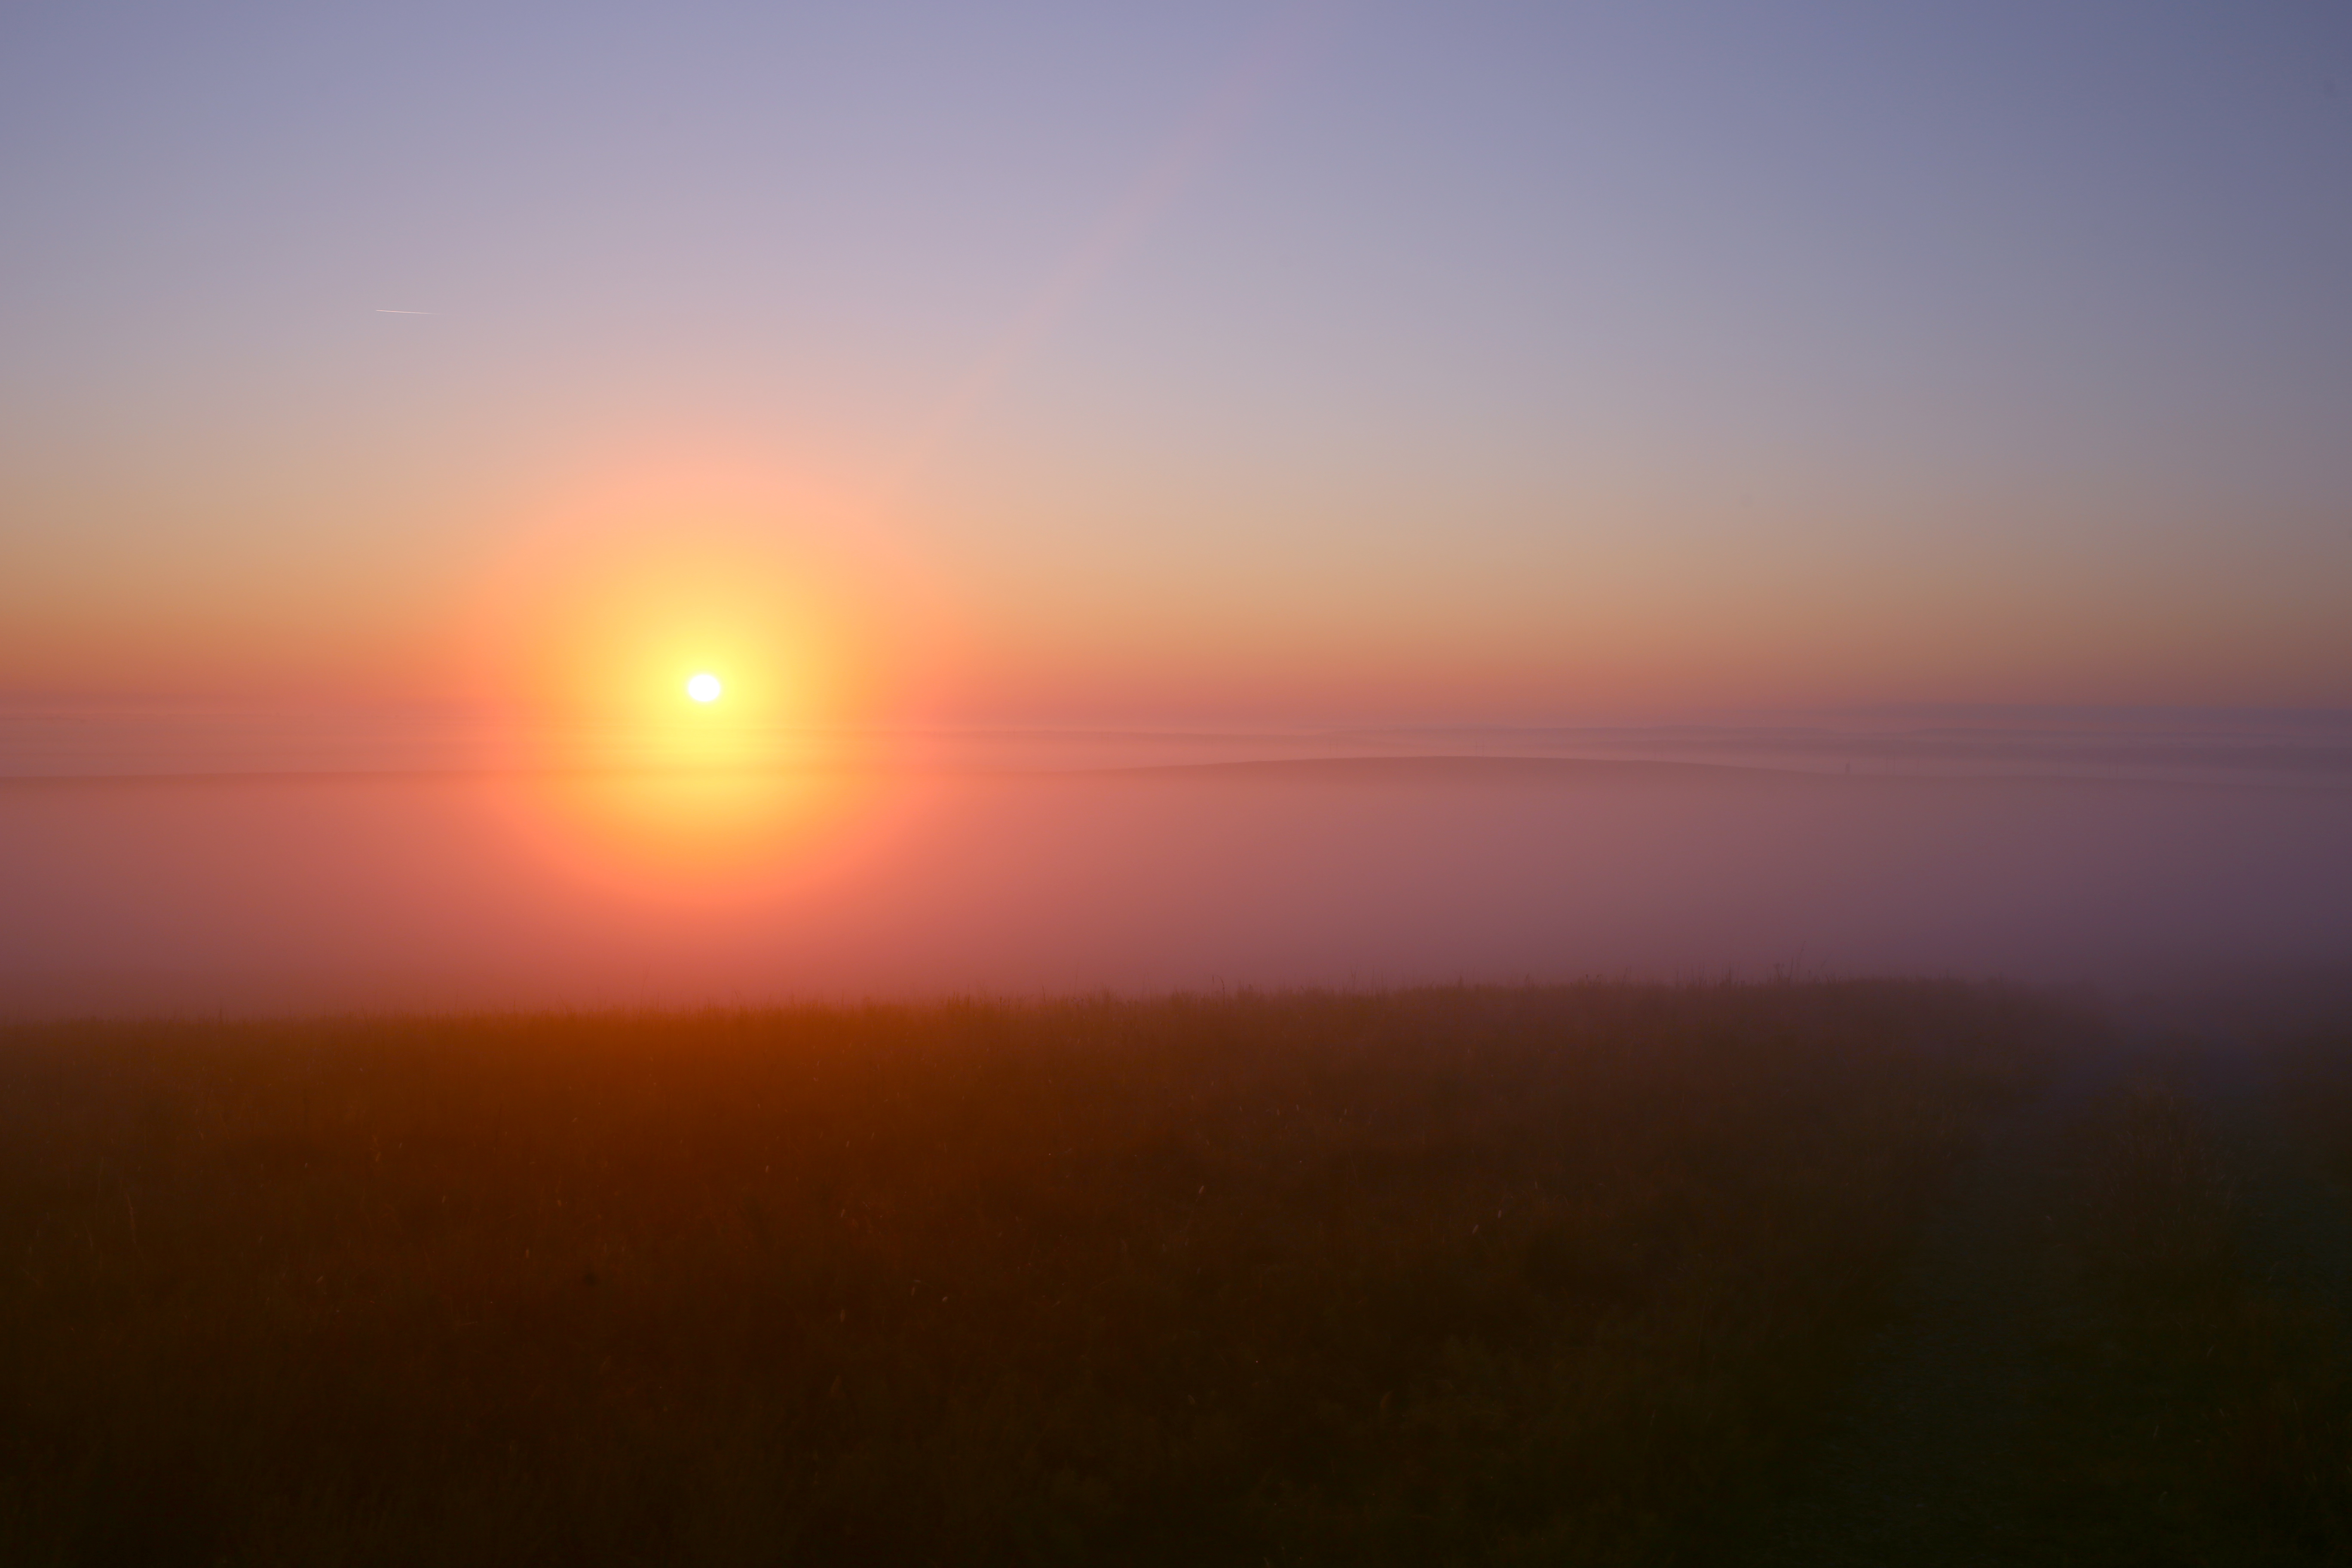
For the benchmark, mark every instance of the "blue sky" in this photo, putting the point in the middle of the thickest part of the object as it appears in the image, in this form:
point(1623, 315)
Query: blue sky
point(1371, 359)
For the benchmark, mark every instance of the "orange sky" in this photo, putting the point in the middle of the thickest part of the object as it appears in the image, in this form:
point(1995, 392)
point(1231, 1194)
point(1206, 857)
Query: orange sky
point(1268, 364)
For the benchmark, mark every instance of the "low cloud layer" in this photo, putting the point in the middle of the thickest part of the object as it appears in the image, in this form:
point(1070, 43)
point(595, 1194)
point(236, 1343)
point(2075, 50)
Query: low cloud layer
point(301, 895)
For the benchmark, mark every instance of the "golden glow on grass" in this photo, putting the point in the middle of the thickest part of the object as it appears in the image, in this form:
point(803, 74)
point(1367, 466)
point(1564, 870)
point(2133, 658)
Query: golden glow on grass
point(1676, 1217)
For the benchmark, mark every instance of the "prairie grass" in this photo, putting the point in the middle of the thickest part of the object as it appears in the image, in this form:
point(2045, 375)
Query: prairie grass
point(1446, 1276)
point(2202, 1411)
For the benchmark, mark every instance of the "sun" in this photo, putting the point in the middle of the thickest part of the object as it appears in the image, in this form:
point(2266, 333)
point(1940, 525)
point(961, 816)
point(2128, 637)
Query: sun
point(704, 688)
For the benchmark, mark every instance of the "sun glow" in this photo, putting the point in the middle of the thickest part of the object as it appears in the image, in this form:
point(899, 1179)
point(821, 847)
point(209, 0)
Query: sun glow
point(640, 647)
point(615, 606)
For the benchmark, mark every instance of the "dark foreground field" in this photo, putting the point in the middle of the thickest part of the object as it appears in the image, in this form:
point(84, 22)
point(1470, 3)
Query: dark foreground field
point(1468, 1275)
point(1855, 1272)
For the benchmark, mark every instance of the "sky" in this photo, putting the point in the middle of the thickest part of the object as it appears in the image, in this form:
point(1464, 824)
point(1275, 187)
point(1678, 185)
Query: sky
point(1037, 363)
point(1659, 490)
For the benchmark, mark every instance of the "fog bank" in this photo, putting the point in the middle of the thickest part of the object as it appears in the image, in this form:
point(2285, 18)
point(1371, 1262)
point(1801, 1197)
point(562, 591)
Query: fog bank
point(273, 895)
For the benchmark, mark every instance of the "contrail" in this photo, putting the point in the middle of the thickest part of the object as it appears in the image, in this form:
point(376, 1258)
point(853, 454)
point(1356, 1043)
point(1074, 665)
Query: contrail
point(382, 311)
point(1273, 52)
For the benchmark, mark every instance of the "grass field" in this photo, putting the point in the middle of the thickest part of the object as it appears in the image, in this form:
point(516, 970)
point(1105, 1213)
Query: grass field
point(1471, 1275)
point(2201, 1406)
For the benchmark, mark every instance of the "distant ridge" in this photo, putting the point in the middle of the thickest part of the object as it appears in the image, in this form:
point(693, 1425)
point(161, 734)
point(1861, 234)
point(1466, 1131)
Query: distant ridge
point(1451, 769)
point(1457, 769)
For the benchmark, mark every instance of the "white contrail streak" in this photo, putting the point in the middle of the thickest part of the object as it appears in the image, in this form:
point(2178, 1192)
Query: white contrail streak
point(382, 311)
